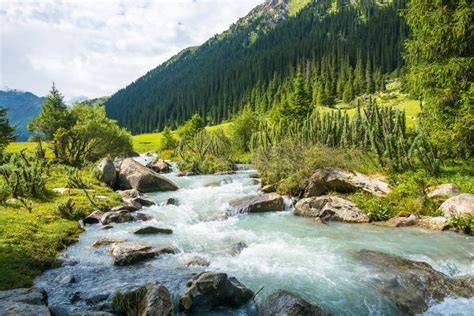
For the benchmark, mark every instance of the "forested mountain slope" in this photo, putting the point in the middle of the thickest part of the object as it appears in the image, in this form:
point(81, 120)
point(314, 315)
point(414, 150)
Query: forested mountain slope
point(344, 48)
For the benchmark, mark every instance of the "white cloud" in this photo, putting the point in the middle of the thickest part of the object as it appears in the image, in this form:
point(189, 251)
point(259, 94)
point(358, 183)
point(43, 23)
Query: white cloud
point(94, 48)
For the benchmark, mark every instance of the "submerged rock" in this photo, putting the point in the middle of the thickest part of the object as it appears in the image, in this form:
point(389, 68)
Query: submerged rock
point(170, 201)
point(288, 304)
point(458, 205)
point(126, 253)
point(153, 299)
point(343, 181)
point(443, 191)
point(149, 230)
point(411, 285)
point(209, 290)
point(134, 175)
point(196, 261)
point(331, 208)
point(270, 202)
point(28, 301)
point(107, 173)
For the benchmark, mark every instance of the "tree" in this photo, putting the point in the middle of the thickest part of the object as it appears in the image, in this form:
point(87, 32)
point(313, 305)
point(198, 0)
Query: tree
point(192, 127)
point(440, 71)
point(6, 130)
point(243, 126)
point(300, 99)
point(169, 141)
point(93, 136)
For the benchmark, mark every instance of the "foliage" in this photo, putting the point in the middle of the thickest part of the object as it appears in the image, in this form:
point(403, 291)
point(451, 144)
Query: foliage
point(192, 127)
point(440, 60)
point(168, 142)
point(6, 131)
point(243, 126)
point(462, 223)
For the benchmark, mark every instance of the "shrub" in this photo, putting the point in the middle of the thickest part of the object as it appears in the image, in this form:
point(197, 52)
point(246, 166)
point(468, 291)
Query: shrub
point(462, 223)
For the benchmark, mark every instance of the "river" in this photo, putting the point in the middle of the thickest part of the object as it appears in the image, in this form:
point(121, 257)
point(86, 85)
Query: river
point(279, 251)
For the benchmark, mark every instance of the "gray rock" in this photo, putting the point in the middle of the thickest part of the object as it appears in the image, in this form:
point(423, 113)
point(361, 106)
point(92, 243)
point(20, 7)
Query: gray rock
point(209, 290)
point(128, 208)
point(106, 242)
point(443, 191)
point(117, 217)
point(150, 230)
point(160, 166)
point(270, 202)
point(135, 199)
point(196, 261)
point(153, 299)
point(28, 301)
point(129, 194)
point(170, 201)
point(133, 175)
point(342, 181)
point(93, 218)
point(288, 304)
point(142, 217)
point(65, 279)
point(426, 222)
point(96, 299)
point(458, 205)
point(237, 248)
point(330, 208)
point(107, 173)
point(127, 253)
point(270, 188)
point(412, 285)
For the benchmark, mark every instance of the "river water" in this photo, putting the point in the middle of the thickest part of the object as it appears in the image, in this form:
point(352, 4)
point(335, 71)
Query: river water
point(277, 251)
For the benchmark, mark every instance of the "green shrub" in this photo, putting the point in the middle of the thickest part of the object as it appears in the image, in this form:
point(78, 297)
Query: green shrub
point(462, 223)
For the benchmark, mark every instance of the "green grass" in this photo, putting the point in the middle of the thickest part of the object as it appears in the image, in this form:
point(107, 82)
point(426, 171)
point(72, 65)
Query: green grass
point(296, 6)
point(31, 242)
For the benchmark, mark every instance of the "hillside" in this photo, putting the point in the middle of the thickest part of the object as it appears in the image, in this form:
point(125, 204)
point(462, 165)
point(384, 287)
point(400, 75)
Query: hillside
point(22, 108)
point(340, 46)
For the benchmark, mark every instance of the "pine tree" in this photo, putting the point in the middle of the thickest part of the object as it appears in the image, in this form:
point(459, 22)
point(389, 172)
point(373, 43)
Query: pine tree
point(300, 100)
point(6, 130)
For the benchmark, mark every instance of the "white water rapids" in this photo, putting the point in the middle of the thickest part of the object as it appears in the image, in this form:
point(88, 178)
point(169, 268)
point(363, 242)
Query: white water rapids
point(282, 251)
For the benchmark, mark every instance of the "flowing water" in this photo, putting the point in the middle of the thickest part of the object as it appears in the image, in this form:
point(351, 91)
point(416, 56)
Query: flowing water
point(280, 251)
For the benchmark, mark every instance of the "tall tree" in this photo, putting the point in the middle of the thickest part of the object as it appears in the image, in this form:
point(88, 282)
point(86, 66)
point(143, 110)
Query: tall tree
point(440, 56)
point(6, 130)
point(300, 99)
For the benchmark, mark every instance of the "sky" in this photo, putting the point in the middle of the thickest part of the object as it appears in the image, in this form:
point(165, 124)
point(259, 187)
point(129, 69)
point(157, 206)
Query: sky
point(94, 48)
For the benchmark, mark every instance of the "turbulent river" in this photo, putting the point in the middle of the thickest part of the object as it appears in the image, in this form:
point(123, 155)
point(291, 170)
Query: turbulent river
point(280, 251)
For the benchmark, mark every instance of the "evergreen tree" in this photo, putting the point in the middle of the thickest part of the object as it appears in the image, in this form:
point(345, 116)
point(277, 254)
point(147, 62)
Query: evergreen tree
point(6, 131)
point(300, 100)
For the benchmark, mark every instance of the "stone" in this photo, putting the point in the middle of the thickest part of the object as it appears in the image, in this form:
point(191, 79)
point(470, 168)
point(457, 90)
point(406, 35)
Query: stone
point(270, 202)
point(129, 194)
point(26, 301)
point(117, 217)
point(411, 220)
point(160, 166)
point(127, 208)
point(135, 199)
point(443, 191)
point(209, 290)
point(150, 230)
point(93, 218)
point(342, 181)
point(170, 201)
point(412, 285)
point(107, 227)
point(237, 248)
point(134, 175)
point(196, 261)
point(288, 304)
point(96, 299)
point(458, 205)
point(65, 279)
point(331, 208)
point(143, 217)
point(270, 188)
point(106, 242)
point(127, 253)
point(153, 299)
point(426, 222)
point(107, 173)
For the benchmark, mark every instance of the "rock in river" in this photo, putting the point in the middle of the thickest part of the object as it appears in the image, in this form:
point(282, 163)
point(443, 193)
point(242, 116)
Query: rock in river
point(28, 301)
point(209, 290)
point(288, 304)
point(458, 205)
point(127, 253)
point(150, 230)
point(153, 299)
point(134, 175)
point(343, 181)
point(412, 285)
point(331, 208)
point(160, 166)
point(270, 202)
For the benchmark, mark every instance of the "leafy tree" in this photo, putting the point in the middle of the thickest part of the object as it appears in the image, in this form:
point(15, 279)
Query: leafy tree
point(6, 131)
point(440, 56)
point(192, 127)
point(169, 141)
point(93, 136)
point(243, 126)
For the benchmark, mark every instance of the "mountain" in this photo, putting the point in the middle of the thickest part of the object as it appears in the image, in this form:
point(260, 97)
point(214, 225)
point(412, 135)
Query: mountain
point(344, 48)
point(22, 108)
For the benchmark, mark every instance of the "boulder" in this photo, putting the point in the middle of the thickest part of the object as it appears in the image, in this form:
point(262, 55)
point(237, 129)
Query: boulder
point(153, 299)
point(443, 191)
point(411, 220)
point(288, 304)
point(107, 173)
point(426, 222)
point(270, 188)
point(160, 166)
point(65, 279)
point(170, 201)
point(135, 198)
point(28, 301)
point(134, 175)
point(331, 208)
point(412, 285)
point(196, 261)
point(129, 194)
point(127, 208)
point(209, 290)
point(270, 202)
point(458, 205)
point(143, 217)
point(105, 242)
point(117, 217)
point(150, 230)
point(93, 218)
point(342, 181)
point(126, 253)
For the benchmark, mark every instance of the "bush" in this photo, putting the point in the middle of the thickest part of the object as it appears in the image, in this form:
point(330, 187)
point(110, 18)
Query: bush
point(462, 223)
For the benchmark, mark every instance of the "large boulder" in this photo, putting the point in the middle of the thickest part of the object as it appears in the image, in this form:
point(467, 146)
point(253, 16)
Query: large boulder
point(330, 208)
point(288, 304)
point(28, 301)
point(93, 218)
point(458, 205)
point(133, 197)
point(160, 166)
point(126, 253)
point(343, 181)
point(153, 299)
point(411, 285)
point(134, 175)
point(443, 191)
point(107, 173)
point(426, 222)
point(270, 202)
point(209, 290)
point(123, 216)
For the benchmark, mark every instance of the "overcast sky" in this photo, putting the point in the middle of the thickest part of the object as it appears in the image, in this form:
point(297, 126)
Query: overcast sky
point(94, 48)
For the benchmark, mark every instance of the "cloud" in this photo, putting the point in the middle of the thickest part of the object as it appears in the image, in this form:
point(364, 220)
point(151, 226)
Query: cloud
point(94, 48)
